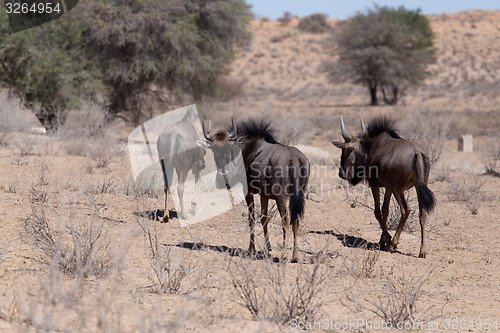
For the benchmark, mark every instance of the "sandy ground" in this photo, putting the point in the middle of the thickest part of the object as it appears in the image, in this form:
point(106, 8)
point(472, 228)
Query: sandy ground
point(459, 278)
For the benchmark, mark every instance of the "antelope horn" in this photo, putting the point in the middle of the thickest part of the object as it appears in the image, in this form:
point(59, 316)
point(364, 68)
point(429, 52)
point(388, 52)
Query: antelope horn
point(346, 136)
point(234, 130)
point(363, 128)
point(205, 132)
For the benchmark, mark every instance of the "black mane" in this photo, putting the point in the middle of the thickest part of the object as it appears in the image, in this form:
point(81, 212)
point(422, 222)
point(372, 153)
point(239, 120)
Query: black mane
point(257, 128)
point(381, 125)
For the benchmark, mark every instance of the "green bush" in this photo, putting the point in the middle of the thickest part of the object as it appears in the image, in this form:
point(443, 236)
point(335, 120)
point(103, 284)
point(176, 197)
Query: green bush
point(385, 49)
point(315, 23)
point(114, 49)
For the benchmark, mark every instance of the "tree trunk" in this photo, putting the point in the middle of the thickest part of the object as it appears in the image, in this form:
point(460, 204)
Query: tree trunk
point(373, 93)
point(394, 99)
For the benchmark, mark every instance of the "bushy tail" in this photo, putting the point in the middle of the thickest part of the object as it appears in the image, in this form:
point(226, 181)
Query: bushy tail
point(425, 196)
point(299, 184)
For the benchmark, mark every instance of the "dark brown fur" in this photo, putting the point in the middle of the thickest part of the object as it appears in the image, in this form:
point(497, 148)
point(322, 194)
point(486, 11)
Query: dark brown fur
point(381, 157)
point(273, 171)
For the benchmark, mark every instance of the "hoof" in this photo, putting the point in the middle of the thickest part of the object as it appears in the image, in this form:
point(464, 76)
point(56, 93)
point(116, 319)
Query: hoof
point(383, 246)
point(294, 260)
point(422, 255)
point(393, 248)
point(165, 219)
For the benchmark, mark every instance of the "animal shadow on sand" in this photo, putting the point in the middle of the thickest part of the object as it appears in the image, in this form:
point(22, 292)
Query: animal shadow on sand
point(156, 215)
point(232, 251)
point(348, 240)
point(353, 241)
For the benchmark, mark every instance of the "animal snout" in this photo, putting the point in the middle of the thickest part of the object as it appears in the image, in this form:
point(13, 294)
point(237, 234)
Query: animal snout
point(342, 173)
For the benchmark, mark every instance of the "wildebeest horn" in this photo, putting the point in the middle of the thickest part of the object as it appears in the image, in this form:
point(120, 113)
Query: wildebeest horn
point(346, 136)
point(363, 128)
point(234, 130)
point(205, 132)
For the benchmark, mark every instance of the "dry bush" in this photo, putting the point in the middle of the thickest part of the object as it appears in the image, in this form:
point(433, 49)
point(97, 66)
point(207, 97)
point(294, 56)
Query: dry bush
point(398, 301)
point(469, 192)
point(105, 185)
point(315, 23)
point(141, 188)
point(167, 274)
point(12, 185)
point(79, 245)
point(490, 154)
point(80, 126)
point(102, 151)
point(429, 129)
point(291, 130)
point(282, 292)
point(363, 267)
point(229, 87)
point(13, 117)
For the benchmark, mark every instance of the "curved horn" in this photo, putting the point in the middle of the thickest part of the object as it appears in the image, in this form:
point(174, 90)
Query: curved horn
point(234, 130)
point(363, 128)
point(345, 135)
point(205, 132)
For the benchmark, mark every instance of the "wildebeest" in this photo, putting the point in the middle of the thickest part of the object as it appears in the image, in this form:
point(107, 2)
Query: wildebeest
point(381, 157)
point(177, 149)
point(273, 170)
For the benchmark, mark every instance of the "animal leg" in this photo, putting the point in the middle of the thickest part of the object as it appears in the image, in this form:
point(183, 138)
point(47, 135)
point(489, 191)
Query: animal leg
point(264, 202)
point(196, 171)
point(423, 217)
point(165, 182)
point(405, 212)
point(251, 222)
point(285, 223)
point(385, 238)
point(181, 178)
point(295, 228)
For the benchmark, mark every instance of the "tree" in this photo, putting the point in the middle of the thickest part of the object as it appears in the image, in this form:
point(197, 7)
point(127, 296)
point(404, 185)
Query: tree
point(181, 45)
point(47, 66)
point(384, 49)
point(114, 49)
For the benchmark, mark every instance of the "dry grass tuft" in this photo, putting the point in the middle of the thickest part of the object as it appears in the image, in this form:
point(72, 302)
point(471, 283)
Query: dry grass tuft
point(398, 302)
point(429, 129)
point(281, 292)
point(469, 192)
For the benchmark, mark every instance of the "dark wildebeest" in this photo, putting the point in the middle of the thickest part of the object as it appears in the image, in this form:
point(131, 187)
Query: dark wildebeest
point(380, 156)
point(177, 149)
point(274, 171)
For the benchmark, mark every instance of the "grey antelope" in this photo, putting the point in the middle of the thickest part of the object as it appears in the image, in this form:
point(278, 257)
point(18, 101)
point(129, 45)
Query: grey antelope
point(177, 149)
point(273, 171)
point(380, 156)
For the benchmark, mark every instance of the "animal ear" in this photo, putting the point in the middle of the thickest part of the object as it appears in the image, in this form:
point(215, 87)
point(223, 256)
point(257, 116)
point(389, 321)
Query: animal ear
point(340, 144)
point(203, 143)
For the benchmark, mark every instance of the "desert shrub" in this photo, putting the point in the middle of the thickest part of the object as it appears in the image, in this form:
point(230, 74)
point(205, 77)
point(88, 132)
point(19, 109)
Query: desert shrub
point(363, 267)
point(490, 154)
point(79, 247)
point(468, 191)
point(88, 125)
point(167, 274)
point(315, 23)
point(428, 129)
point(13, 117)
point(280, 293)
point(398, 301)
